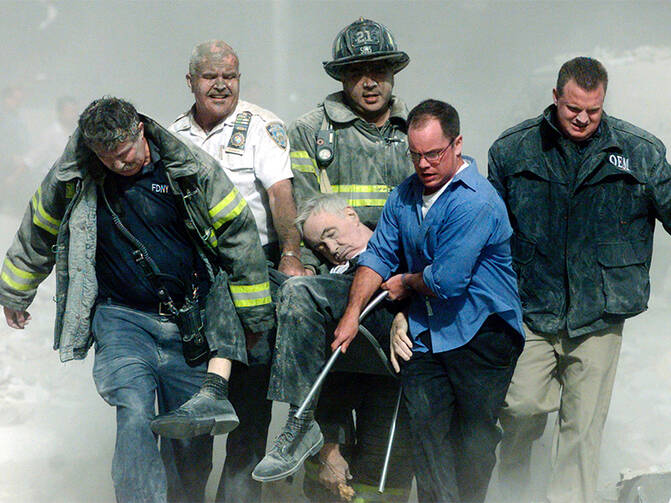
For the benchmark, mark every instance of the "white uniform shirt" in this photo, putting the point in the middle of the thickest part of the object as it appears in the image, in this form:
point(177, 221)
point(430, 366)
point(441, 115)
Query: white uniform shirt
point(263, 163)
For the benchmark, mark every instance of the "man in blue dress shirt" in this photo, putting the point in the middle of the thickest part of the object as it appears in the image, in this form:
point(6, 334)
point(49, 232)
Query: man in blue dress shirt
point(443, 241)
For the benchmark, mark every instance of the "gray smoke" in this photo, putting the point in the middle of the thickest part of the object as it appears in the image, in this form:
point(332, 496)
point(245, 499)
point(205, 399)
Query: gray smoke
point(495, 61)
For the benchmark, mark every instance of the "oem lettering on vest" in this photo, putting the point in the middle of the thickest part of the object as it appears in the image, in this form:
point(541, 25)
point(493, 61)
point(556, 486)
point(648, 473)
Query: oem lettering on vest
point(619, 162)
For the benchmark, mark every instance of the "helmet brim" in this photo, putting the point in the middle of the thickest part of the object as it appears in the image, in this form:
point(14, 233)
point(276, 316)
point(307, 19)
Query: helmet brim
point(397, 60)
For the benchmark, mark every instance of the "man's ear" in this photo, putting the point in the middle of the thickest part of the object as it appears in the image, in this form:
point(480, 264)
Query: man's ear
point(555, 96)
point(188, 82)
point(458, 145)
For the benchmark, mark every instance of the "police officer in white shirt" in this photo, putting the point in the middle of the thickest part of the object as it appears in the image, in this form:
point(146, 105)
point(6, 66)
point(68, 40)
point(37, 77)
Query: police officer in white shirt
point(251, 144)
point(253, 148)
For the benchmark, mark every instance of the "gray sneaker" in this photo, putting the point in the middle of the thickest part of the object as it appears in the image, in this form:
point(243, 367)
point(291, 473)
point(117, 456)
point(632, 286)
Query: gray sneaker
point(290, 450)
point(200, 415)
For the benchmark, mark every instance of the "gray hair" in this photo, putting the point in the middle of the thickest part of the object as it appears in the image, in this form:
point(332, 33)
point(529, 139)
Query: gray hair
point(108, 122)
point(209, 48)
point(329, 203)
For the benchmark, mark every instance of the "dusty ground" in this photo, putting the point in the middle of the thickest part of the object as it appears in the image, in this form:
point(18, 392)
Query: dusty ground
point(57, 435)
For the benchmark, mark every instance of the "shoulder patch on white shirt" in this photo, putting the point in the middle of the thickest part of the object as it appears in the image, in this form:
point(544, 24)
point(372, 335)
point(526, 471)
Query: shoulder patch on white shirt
point(278, 134)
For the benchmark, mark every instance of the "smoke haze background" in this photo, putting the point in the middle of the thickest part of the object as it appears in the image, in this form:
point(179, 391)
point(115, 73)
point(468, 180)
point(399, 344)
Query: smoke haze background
point(495, 61)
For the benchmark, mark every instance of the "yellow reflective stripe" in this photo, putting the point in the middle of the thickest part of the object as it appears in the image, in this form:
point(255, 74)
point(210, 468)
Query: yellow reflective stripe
point(221, 207)
point(40, 217)
point(364, 195)
point(211, 238)
point(301, 161)
point(18, 279)
point(361, 188)
point(16, 286)
point(231, 215)
point(223, 203)
point(45, 226)
point(24, 274)
point(304, 169)
point(366, 202)
point(259, 287)
point(43, 212)
point(300, 154)
point(251, 295)
point(252, 302)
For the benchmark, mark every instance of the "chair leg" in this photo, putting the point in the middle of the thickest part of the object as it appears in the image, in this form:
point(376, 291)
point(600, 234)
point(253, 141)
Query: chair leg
point(390, 444)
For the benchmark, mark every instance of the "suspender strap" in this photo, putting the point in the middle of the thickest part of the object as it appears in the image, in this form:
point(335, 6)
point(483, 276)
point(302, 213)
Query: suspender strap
point(143, 259)
point(324, 182)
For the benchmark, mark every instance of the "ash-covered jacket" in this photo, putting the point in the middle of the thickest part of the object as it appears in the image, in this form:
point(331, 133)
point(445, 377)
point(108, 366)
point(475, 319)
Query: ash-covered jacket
point(59, 227)
point(368, 162)
point(583, 221)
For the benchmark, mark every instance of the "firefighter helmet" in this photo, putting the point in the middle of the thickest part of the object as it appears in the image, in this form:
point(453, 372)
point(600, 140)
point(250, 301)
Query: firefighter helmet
point(364, 40)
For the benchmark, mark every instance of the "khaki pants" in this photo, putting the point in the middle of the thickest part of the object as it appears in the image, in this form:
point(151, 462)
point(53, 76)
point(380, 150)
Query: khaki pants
point(575, 377)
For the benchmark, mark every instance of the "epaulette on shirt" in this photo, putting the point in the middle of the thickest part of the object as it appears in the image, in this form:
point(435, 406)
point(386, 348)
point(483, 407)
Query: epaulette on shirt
point(181, 122)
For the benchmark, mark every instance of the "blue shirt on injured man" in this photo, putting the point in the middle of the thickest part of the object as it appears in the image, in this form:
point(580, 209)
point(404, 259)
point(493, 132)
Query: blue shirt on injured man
point(462, 247)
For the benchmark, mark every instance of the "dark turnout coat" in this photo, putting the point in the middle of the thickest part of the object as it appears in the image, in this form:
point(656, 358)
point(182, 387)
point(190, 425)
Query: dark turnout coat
point(59, 229)
point(583, 219)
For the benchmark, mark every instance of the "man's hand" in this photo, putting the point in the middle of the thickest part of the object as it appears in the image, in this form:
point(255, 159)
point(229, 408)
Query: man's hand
point(365, 282)
point(400, 343)
point(16, 319)
point(396, 287)
point(334, 469)
point(345, 332)
point(291, 266)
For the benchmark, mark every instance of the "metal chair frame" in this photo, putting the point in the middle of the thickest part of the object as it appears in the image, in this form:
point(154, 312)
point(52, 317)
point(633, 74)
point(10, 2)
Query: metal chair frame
point(331, 361)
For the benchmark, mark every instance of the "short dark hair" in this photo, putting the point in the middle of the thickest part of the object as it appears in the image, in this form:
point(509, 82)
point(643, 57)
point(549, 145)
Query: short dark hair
point(445, 113)
point(107, 122)
point(588, 73)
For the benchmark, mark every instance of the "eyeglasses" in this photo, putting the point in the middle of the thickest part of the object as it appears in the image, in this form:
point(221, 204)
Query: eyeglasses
point(433, 157)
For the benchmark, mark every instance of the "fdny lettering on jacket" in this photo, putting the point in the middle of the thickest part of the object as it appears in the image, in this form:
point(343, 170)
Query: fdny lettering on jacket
point(160, 188)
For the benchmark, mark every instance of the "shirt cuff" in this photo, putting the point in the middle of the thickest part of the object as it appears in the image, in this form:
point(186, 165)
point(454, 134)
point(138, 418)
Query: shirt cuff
point(427, 276)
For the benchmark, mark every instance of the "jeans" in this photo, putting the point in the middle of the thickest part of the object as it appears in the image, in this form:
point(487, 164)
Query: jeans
point(453, 399)
point(138, 359)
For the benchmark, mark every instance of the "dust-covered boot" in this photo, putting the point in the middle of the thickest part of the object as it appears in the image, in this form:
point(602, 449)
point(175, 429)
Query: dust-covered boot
point(206, 412)
point(300, 439)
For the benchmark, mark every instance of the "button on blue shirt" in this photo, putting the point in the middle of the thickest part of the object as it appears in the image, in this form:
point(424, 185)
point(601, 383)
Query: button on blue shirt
point(462, 247)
